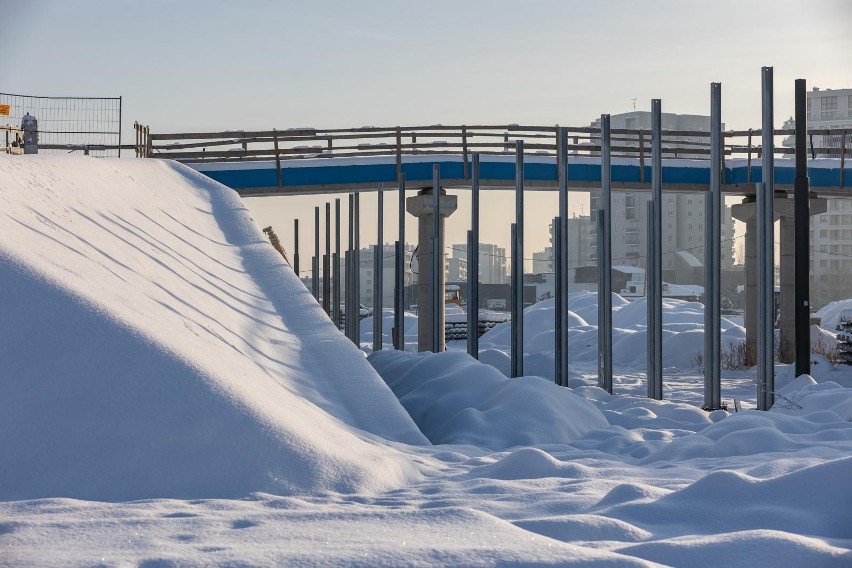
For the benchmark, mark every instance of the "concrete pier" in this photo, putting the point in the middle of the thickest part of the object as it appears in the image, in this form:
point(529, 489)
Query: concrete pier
point(422, 207)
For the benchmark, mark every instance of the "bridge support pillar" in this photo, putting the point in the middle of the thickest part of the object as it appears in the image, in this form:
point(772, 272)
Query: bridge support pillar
point(783, 209)
point(422, 207)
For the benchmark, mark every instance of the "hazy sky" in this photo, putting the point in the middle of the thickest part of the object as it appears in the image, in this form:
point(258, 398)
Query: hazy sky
point(217, 65)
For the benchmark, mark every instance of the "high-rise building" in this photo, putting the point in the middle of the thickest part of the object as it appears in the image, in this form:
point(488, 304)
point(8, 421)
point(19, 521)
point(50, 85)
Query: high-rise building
point(492, 263)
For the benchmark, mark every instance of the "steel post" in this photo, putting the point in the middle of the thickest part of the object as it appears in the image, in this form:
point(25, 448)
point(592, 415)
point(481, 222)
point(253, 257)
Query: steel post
point(356, 270)
point(562, 277)
point(335, 268)
point(437, 264)
point(399, 280)
point(605, 261)
point(654, 275)
point(556, 251)
point(379, 271)
point(801, 221)
point(296, 246)
point(713, 259)
point(765, 254)
point(315, 260)
point(517, 355)
point(473, 263)
point(326, 263)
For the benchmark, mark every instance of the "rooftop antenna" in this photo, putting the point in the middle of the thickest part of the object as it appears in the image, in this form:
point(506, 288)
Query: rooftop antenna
point(634, 104)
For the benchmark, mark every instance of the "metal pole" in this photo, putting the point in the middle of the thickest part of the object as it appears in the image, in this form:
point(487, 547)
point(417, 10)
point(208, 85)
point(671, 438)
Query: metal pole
point(350, 302)
point(655, 275)
point(562, 277)
point(119, 126)
point(801, 221)
point(605, 261)
point(765, 255)
point(296, 246)
point(516, 361)
point(326, 263)
point(437, 264)
point(556, 251)
point(356, 271)
point(335, 270)
point(347, 311)
point(713, 258)
point(378, 272)
point(518, 266)
point(315, 261)
point(473, 264)
point(399, 291)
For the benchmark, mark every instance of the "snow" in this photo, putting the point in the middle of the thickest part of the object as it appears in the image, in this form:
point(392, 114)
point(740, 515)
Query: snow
point(170, 394)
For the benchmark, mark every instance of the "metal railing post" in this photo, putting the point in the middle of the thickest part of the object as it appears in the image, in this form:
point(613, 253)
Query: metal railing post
point(561, 303)
point(399, 290)
point(654, 276)
point(473, 264)
point(517, 358)
point(378, 272)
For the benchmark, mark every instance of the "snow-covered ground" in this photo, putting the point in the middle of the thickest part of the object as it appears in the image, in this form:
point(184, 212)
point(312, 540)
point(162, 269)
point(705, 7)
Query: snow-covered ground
point(171, 395)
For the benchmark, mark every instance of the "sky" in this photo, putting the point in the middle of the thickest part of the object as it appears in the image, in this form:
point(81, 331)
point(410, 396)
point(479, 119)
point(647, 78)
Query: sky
point(215, 65)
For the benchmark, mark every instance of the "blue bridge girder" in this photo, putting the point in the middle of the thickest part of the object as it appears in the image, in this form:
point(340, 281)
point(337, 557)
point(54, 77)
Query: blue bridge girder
point(322, 175)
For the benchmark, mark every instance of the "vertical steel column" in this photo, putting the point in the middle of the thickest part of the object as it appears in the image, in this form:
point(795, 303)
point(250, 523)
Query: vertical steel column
point(437, 264)
point(399, 280)
point(713, 259)
point(562, 276)
point(766, 255)
point(473, 263)
point(356, 270)
point(315, 260)
point(556, 251)
point(348, 272)
point(296, 246)
point(518, 266)
point(335, 270)
point(655, 275)
point(326, 263)
point(517, 356)
point(605, 261)
point(379, 271)
point(801, 223)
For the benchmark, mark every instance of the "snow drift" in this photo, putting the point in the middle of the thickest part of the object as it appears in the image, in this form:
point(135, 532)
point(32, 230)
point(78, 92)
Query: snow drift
point(153, 345)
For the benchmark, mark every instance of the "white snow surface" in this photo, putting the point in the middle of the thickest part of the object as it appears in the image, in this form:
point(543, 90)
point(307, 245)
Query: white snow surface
point(171, 395)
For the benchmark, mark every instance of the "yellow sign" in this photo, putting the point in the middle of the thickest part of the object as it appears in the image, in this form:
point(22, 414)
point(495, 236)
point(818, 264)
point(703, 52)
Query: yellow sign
point(4, 110)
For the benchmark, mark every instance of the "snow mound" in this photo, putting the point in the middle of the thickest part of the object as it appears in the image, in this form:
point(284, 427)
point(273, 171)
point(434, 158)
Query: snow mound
point(154, 345)
point(455, 399)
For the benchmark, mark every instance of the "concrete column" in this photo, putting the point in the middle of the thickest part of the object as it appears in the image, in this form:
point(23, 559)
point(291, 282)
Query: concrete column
point(783, 208)
point(421, 206)
point(787, 316)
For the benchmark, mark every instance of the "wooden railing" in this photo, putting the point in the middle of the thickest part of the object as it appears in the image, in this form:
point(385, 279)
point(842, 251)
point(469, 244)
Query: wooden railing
point(300, 143)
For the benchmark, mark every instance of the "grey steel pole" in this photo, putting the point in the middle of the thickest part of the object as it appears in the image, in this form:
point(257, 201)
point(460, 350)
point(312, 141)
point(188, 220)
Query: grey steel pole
point(605, 261)
point(655, 276)
point(356, 271)
point(296, 246)
point(315, 260)
point(399, 290)
point(562, 277)
point(556, 250)
point(473, 263)
point(516, 356)
point(518, 266)
point(379, 271)
point(713, 258)
point(335, 269)
point(347, 272)
point(437, 263)
point(765, 255)
point(326, 263)
point(801, 221)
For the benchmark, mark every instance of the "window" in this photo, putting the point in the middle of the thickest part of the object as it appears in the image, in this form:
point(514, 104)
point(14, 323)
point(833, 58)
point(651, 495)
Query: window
point(828, 107)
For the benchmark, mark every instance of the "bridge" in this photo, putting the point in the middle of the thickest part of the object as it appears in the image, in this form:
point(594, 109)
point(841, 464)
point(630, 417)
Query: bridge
point(305, 161)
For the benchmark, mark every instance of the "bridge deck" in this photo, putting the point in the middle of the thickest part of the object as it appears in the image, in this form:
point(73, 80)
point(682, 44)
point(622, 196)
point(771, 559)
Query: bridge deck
point(346, 174)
